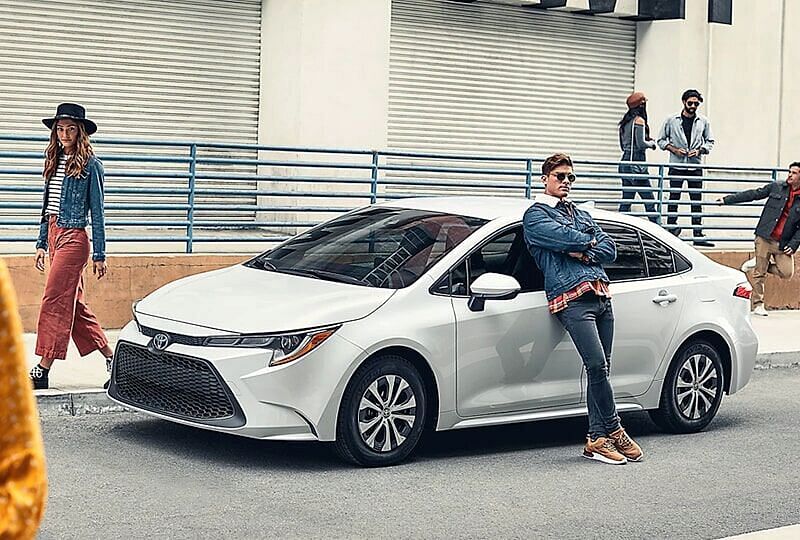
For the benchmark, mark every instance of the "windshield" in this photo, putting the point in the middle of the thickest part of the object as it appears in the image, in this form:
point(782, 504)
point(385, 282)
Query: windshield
point(376, 246)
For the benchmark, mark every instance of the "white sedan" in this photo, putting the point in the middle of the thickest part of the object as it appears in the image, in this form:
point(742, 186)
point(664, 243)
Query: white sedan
point(428, 314)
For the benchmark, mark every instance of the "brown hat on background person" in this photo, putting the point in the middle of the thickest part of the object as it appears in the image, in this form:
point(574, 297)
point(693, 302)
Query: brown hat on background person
point(636, 99)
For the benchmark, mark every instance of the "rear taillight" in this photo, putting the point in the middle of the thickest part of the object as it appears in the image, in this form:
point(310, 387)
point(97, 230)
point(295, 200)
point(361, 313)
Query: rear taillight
point(743, 290)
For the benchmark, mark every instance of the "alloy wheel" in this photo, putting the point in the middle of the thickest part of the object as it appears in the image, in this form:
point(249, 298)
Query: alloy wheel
point(697, 386)
point(386, 413)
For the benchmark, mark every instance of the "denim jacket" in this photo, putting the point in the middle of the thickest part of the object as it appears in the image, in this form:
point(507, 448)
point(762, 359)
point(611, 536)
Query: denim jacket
point(551, 234)
point(777, 194)
point(672, 133)
point(80, 196)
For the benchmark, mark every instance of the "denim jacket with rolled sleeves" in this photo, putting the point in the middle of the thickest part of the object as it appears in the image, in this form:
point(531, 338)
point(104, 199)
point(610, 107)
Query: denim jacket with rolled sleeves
point(551, 234)
point(80, 196)
point(672, 133)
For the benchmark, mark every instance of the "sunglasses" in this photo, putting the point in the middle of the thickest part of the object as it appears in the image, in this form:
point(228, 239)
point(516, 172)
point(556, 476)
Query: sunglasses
point(692, 103)
point(564, 176)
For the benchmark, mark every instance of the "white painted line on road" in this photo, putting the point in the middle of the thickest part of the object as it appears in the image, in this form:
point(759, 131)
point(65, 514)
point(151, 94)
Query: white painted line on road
point(791, 532)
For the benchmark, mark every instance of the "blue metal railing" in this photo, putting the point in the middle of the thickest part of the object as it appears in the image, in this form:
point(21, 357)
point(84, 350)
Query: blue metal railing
point(191, 192)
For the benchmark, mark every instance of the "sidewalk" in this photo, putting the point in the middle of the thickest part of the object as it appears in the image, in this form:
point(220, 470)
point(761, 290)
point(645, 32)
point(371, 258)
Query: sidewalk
point(77, 384)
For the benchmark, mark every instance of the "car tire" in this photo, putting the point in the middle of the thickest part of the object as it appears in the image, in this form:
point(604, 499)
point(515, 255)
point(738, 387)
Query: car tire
point(382, 414)
point(692, 390)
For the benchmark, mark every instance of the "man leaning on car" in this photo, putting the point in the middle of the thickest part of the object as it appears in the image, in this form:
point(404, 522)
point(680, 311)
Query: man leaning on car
point(570, 249)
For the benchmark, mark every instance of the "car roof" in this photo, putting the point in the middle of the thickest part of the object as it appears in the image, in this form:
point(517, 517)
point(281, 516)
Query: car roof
point(491, 208)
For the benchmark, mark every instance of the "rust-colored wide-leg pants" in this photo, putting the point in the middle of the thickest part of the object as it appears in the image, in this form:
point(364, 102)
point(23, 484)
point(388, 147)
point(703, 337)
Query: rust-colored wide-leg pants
point(63, 312)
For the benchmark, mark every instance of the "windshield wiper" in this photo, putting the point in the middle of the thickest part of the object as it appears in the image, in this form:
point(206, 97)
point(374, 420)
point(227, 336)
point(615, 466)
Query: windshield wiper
point(265, 264)
point(323, 274)
point(337, 277)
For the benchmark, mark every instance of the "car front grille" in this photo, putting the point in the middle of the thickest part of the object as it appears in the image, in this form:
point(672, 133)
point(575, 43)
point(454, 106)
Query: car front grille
point(174, 385)
point(174, 338)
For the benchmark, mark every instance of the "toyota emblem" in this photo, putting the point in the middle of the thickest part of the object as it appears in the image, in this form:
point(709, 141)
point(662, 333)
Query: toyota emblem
point(160, 342)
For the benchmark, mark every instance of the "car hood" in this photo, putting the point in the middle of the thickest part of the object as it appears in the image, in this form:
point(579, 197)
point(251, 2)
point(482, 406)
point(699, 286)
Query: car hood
point(248, 300)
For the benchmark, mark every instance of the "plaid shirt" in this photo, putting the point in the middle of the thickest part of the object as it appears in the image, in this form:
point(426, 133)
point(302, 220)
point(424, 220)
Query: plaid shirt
point(598, 287)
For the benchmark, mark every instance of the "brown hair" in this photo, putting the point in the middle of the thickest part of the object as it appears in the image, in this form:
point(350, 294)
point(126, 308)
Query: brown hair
point(556, 160)
point(76, 163)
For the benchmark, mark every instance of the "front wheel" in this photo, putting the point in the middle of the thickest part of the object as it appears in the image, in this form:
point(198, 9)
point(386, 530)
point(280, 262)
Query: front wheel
point(692, 390)
point(382, 415)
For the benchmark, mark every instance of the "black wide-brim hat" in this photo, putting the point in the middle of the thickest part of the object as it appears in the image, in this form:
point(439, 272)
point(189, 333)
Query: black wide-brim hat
point(73, 111)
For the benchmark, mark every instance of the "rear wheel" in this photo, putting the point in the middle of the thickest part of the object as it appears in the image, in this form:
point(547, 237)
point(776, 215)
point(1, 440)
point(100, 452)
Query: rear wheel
point(692, 390)
point(382, 414)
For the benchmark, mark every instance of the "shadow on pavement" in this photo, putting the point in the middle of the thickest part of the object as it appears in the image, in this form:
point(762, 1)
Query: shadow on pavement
point(210, 446)
point(203, 445)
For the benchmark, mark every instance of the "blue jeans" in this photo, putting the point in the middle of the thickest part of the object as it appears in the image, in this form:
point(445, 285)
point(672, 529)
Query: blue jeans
point(589, 320)
point(632, 186)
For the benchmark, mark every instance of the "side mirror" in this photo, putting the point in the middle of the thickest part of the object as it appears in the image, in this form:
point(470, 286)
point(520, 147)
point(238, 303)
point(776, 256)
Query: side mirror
point(491, 286)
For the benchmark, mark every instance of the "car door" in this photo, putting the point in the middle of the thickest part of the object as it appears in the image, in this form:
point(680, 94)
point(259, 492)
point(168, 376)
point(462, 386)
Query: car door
point(512, 356)
point(648, 295)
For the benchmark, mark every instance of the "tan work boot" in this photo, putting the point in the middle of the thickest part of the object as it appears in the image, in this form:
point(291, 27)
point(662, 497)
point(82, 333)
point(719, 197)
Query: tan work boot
point(626, 446)
point(603, 449)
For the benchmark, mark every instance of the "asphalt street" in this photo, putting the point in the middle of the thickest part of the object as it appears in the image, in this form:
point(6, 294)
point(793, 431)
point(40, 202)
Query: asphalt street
point(124, 475)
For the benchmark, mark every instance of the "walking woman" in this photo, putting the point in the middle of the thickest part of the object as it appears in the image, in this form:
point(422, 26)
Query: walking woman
point(634, 140)
point(73, 189)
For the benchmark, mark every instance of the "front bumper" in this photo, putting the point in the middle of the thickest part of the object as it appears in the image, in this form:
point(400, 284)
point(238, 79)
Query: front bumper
point(232, 390)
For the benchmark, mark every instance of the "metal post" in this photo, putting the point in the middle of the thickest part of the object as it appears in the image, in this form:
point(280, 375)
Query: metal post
point(190, 212)
point(528, 178)
point(373, 190)
point(660, 192)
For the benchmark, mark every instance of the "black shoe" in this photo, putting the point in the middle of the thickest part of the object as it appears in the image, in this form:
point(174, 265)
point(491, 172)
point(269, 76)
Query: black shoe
point(700, 241)
point(40, 377)
point(676, 231)
point(105, 384)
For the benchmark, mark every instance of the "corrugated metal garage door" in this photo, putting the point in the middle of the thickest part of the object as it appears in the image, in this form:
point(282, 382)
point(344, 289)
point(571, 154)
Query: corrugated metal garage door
point(487, 78)
point(144, 69)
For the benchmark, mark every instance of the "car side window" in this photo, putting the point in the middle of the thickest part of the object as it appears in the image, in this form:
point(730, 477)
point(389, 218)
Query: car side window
point(657, 256)
point(681, 264)
point(493, 256)
point(506, 254)
point(629, 263)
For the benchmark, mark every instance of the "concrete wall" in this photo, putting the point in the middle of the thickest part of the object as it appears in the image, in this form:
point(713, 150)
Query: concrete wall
point(747, 73)
point(325, 73)
point(130, 278)
point(324, 83)
point(133, 277)
point(790, 105)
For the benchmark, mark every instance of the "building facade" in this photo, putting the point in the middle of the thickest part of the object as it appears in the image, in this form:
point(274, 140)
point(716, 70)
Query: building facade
point(522, 77)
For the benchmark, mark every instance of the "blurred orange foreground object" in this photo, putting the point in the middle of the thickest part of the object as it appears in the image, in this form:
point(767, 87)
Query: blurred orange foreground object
point(23, 479)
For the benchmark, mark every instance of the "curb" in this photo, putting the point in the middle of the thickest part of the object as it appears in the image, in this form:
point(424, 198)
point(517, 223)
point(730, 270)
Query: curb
point(76, 403)
point(95, 401)
point(776, 360)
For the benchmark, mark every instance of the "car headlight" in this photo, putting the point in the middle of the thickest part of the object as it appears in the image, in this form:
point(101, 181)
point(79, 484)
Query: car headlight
point(286, 347)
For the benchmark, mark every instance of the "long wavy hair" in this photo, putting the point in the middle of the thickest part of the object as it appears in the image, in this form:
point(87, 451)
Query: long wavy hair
point(76, 163)
point(641, 110)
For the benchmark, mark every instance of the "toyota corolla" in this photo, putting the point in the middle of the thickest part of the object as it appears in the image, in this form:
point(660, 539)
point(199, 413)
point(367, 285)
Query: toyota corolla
point(427, 314)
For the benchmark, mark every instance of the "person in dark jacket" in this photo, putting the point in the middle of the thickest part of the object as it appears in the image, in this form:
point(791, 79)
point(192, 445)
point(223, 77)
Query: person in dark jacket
point(777, 232)
point(570, 250)
point(634, 140)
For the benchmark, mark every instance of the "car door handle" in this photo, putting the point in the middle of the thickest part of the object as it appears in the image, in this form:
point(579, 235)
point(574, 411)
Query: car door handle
point(665, 299)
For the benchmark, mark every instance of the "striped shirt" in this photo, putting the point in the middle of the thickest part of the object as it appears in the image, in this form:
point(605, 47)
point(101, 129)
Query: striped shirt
point(54, 188)
point(598, 287)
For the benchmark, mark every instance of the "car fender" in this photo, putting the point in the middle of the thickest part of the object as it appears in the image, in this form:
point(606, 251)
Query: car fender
point(723, 330)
